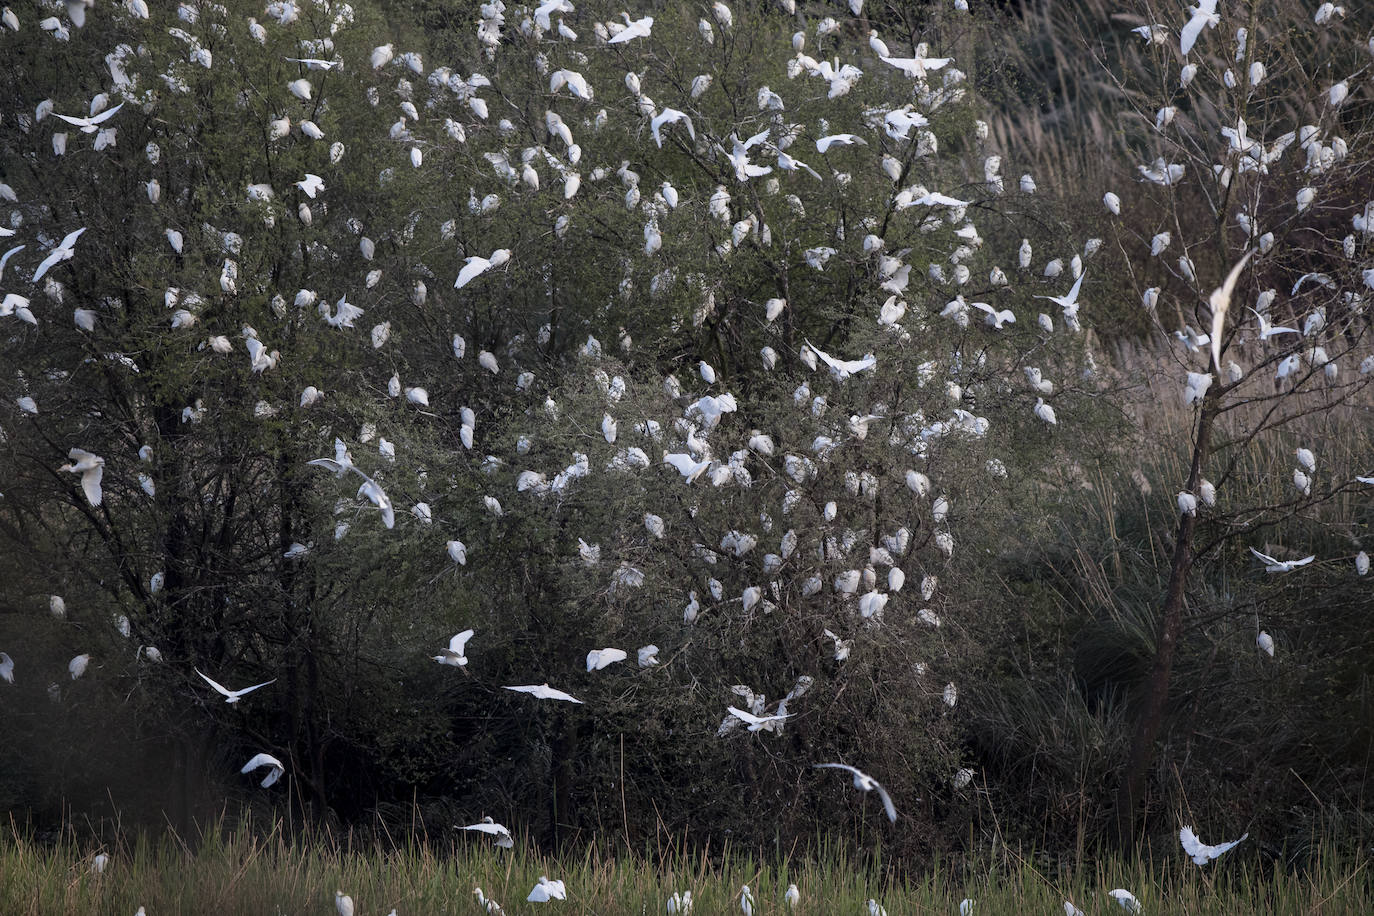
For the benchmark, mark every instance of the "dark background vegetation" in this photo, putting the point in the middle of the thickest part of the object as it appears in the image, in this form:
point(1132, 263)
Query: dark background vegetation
point(1050, 605)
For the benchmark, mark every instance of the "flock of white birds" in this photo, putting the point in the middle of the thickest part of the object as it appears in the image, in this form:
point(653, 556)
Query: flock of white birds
point(759, 164)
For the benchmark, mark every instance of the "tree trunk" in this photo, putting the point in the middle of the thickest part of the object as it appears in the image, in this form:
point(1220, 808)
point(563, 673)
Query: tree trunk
point(1130, 791)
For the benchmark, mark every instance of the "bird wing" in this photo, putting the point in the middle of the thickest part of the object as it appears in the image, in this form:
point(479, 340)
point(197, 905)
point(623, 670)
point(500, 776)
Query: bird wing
point(887, 802)
point(1264, 557)
point(254, 687)
point(215, 684)
point(1220, 300)
point(90, 484)
point(1303, 562)
point(744, 716)
point(4, 259)
point(1191, 844)
point(460, 640)
point(54, 256)
point(260, 760)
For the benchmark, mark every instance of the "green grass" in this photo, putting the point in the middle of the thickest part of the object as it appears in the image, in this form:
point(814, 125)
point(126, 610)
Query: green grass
point(242, 872)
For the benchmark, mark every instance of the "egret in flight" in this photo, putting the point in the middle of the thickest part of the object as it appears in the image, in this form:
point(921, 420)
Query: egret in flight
point(232, 696)
point(1200, 852)
point(265, 760)
point(866, 783)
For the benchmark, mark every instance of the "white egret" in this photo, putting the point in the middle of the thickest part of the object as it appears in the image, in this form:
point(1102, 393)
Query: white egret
point(343, 903)
point(1122, 896)
point(638, 28)
point(1204, 15)
point(91, 468)
point(496, 831)
point(92, 124)
point(670, 116)
point(866, 783)
point(1268, 330)
point(1265, 642)
point(276, 768)
point(232, 696)
point(544, 692)
point(1281, 566)
point(601, 658)
point(756, 723)
point(476, 266)
point(77, 666)
point(746, 901)
point(1200, 852)
point(64, 251)
point(825, 143)
point(1045, 412)
point(453, 655)
point(546, 890)
point(1220, 300)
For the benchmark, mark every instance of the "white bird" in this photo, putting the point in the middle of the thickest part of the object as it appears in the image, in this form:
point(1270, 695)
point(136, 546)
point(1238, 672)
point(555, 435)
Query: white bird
point(547, 890)
point(476, 266)
point(1306, 458)
point(866, 783)
point(756, 723)
point(1281, 566)
point(1267, 330)
point(497, 831)
point(91, 468)
point(92, 124)
point(1200, 851)
point(343, 903)
point(1069, 301)
point(825, 143)
point(77, 666)
point(746, 901)
point(995, 319)
point(1045, 412)
point(544, 692)
point(1265, 642)
point(842, 369)
point(265, 760)
point(453, 655)
point(233, 696)
point(638, 28)
point(1220, 300)
point(311, 185)
point(601, 658)
point(670, 116)
point(1204, 15)
point(1124, 897)
point(792, 897)
point(63, 252)
point(418, 396)
point(6, 667)
point(647, 656)
point(686, 465)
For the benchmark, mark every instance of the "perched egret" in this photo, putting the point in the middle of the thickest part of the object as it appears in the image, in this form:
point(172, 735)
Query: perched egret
point(77, 666)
